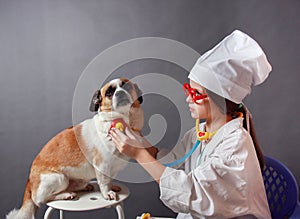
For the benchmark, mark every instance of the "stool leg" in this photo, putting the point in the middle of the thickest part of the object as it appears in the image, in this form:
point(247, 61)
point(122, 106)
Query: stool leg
point(61, 214)
point(48, 213)
point(120, 211)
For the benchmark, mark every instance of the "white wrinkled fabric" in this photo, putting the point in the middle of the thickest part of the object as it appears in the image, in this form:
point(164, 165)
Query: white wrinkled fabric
point(232, 67)
point(225, 183)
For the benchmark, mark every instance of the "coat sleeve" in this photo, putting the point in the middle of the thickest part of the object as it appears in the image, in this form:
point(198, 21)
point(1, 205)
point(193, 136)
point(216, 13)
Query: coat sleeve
point(218, 185)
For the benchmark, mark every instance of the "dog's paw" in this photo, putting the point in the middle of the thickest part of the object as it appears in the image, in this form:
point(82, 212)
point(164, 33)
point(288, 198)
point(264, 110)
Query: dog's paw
point(70, 196)
point(109, 192)
point(65, 196)
point(111, 195)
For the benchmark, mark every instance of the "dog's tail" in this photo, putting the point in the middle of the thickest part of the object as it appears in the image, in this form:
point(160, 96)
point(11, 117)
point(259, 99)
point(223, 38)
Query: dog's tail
point(28, 209)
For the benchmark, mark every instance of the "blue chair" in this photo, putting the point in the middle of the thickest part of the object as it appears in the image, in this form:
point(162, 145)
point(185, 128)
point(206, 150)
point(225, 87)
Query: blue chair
point(281, 189)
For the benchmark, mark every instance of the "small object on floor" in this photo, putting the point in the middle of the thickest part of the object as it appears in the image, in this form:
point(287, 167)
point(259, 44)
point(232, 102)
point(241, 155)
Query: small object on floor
point(146, 216)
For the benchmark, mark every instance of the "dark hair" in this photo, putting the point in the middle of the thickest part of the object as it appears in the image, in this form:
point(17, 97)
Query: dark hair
point(232, 109)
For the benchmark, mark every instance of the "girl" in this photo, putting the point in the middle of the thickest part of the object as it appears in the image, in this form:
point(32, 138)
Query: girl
point(222, 178)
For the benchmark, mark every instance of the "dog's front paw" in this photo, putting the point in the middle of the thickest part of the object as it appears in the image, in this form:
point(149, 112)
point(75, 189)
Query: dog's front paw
point(111, 195)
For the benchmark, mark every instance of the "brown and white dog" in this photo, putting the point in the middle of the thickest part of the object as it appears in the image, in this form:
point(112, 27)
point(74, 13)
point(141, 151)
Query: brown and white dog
point(78, 154)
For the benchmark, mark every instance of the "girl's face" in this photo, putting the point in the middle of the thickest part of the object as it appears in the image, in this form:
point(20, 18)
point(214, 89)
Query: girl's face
point(200, 110)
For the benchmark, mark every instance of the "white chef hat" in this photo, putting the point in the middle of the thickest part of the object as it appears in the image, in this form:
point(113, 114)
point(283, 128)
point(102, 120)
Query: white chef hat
point(232, 67)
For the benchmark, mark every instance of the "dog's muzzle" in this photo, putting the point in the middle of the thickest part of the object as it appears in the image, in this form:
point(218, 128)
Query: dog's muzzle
point(122, 98)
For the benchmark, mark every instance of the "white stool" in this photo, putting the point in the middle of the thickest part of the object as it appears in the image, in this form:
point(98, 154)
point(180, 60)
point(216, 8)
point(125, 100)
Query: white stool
point(89, 201)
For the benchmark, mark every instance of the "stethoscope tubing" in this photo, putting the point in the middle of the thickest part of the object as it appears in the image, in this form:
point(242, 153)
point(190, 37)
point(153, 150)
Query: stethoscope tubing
point(186, 156)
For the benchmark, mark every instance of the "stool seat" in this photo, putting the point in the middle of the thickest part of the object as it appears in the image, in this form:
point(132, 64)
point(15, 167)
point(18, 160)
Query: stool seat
point(87, 201)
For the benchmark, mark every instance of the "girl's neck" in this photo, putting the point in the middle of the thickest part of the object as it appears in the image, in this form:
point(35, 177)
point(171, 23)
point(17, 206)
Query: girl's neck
point(216, 122)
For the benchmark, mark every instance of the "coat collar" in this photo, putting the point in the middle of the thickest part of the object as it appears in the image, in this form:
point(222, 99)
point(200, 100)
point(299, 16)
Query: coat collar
point(223, 132)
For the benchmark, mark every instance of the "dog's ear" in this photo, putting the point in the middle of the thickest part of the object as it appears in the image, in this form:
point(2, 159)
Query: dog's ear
point(139, 94)
point(140, 99)
point(96, 101)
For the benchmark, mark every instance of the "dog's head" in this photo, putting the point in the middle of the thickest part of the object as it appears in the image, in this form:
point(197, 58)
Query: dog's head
point(117, 95)
point(123, 96)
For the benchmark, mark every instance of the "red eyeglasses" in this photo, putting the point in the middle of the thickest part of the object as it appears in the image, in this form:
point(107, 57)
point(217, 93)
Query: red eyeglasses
point(195, 95)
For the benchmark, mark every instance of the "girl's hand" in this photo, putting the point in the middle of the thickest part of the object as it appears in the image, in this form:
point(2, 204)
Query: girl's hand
point(131, 144)
point(138, 148)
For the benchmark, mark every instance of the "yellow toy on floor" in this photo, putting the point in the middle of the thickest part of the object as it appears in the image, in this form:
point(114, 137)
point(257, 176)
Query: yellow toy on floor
point(146, 216)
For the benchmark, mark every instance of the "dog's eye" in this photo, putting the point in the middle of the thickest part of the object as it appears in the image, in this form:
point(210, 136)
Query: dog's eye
point(126, 86)
point(110, 91)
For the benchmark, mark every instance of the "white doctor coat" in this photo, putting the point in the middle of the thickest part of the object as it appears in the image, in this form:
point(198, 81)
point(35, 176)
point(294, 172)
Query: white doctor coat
point(222, 179)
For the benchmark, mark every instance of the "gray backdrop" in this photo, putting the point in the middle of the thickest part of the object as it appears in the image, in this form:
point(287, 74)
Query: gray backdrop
point(46, 45)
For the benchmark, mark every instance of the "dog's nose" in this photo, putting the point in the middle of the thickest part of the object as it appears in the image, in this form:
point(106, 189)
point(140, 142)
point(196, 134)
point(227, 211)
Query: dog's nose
point(120, 94)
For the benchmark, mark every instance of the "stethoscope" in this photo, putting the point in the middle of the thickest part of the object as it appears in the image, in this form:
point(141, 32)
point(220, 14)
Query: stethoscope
point(200, 137)
point(196, 96)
